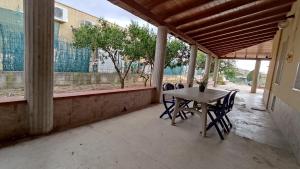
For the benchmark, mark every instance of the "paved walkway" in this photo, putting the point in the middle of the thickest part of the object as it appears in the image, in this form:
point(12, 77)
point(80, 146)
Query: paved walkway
point(140, 140)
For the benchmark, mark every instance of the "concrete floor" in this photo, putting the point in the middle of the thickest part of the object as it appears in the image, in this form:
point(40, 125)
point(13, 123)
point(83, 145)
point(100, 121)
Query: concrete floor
point(140, 140)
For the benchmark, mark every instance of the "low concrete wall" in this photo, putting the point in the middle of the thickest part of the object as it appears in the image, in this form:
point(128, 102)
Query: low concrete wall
point(14, 80)
point(73, 109)
point(288, 121)
point(13, 119)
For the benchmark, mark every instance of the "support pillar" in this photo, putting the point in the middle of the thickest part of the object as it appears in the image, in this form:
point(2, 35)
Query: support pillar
point(192, 64)
point(216, 71)
point(39, 28)
point(255, 76)
point(207, 66)
point(159, 61)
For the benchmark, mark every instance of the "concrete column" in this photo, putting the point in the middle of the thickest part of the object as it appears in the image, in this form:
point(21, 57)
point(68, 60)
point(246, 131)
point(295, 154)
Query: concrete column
point(39, 28)
point(207, 66)
point(159, 61)
point(192, 64)
point(255, 76)
point(216, 71)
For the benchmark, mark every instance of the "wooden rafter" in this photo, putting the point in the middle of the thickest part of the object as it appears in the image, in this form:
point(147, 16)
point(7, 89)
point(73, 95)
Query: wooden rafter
point(238, 47)
point(221, 22)
point(226, 5)
point(240, 35)
point(241, 43)
point(236, 40)
point(243, 27)
point(259, 9)
point(180, 9)
point(240, 31)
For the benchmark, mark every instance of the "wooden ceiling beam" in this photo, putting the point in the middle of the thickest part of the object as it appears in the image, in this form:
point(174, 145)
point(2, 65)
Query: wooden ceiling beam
point(236, 48)
point(242, 58)
point(153, 3)
point(227, 5)
point(241, 39)
point(239, 17)
point(140, 11)
point(240, 35)
point(214, 32)
point(253, 41)
point(240, 28)
point(181, 9)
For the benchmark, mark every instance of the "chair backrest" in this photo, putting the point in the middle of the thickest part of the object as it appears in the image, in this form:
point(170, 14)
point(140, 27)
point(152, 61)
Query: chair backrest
point(165, 87)
point(168, 86)
point(231, 100)
point(226, 101)
point(224, 104)
point(179, 86)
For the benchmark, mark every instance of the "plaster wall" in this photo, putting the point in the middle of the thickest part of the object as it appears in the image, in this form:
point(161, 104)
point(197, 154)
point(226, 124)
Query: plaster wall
point(285, 109)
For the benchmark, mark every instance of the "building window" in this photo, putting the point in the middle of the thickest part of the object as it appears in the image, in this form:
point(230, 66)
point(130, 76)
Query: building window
point(280, 61)
point(58, 12)
point(297, 80)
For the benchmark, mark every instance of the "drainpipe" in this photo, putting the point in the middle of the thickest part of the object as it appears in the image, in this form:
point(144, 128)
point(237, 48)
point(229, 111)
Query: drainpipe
point(275, 65)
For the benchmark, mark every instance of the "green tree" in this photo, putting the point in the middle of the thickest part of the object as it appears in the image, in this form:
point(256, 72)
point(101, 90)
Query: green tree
point(120, 43)
point(177, 53)
point(149, 42)
point(86, 37)
point(200, 60)
point(228, 68)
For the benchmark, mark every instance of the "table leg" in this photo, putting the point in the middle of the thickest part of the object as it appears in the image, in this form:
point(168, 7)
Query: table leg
point(176, 110)
point(204, 118)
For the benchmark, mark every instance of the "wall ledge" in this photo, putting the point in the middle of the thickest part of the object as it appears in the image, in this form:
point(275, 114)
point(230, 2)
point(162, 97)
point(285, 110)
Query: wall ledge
point(14, 99)
point(98, 92)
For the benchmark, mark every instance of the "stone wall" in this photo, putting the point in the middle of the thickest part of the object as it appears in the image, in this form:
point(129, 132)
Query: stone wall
point(73, 109)
point(14, 80)
point(288, 120)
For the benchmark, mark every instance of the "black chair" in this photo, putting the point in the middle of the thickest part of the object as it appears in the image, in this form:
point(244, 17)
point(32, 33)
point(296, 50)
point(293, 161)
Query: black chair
point(217, 118)
point(230, 106)
point(179, 86)
point(169, 103)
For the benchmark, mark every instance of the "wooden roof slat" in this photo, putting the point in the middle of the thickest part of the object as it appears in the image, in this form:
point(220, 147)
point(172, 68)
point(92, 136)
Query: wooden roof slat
point(179, 9)
point(241, 39)
point(226, 5)
point(242, 44)
point(153, 3)
point(234, 21)
point(240, 28)
point(236, 36)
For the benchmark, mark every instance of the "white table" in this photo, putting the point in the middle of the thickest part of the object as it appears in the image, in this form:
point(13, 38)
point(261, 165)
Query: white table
point(193, 93)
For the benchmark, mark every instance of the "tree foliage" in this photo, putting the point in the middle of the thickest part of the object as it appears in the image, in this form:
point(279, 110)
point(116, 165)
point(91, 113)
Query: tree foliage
point(123, 46)
point(200, 60)
point(228, 68)
point(177, 53)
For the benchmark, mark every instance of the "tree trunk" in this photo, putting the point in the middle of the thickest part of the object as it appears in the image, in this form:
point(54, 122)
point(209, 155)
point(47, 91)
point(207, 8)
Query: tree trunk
point(145, 82)
point(122, 81)
point(94, 67)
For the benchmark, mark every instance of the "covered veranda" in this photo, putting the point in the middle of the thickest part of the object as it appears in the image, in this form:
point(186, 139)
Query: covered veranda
point(140, 139)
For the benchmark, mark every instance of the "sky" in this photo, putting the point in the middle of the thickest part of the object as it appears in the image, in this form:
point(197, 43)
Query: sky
point(112, 13)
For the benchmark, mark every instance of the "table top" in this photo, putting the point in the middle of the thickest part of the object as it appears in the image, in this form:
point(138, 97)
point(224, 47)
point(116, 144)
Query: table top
point(193, 93)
